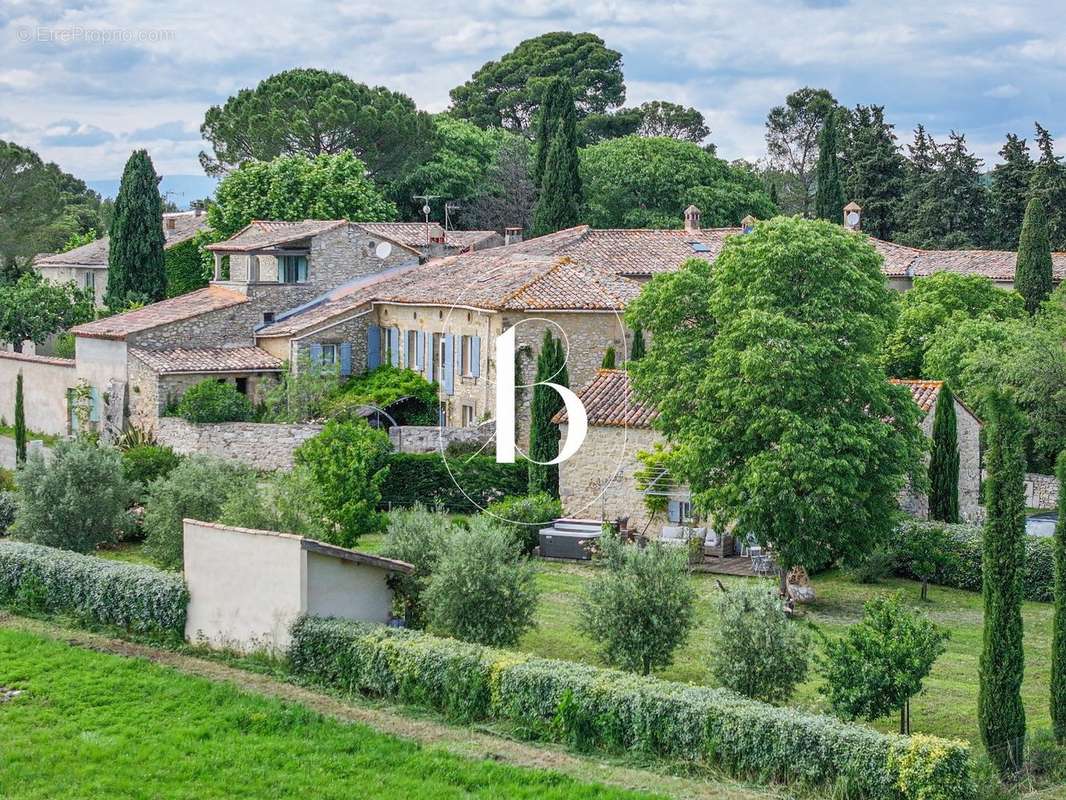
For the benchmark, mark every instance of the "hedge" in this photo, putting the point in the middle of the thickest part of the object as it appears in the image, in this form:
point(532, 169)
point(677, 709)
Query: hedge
point(426, 478)
point(131, 596)
point(589, 707)
point(961, 553)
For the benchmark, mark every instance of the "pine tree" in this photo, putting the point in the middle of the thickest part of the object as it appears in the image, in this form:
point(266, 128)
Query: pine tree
point(944, 462)
point(1032, 275)
point(559, 195)
point(1009, 193)
point(999, 702)
point(1058, 625)
point(829, 198)
point(873, 170)
point(1048, 182)
point(912, 223)
point(20, 423)
point(546, 402)
point(136, 265)
point(636, 352)
point(608, 358)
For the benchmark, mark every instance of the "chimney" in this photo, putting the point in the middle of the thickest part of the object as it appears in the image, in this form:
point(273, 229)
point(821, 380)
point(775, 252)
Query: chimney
point(197, 211)
point(692, 219)
point(852, 216)
point(512, 235)
point(171, 223)
point(747, 225)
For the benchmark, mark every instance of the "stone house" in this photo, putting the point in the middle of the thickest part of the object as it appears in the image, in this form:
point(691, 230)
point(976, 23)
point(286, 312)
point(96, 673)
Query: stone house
point(600, 480)
point(87, 266)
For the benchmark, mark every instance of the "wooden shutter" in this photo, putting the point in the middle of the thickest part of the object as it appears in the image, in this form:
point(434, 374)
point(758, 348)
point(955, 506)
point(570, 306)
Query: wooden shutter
point(429, 357)
point(420, 348)
point(316, 355)
point(475, 356)
point(346, 358)
point(94, 411)
point(373, 347)
point(394, 346)
point(447, 366)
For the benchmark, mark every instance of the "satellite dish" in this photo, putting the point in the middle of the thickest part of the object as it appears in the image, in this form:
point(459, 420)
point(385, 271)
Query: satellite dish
point(853, 218)
point(426, 209)
point(383, 250)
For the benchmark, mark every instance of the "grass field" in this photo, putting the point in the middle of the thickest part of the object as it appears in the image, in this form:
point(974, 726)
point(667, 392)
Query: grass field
point(91, 725)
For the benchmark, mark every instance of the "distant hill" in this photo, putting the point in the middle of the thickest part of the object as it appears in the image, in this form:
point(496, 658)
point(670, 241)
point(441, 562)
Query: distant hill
point(179, 189)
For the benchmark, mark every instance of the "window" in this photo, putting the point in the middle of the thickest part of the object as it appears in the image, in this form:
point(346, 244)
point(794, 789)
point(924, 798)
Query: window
point(411, 348)
point(292, 269)
point(268, 317)
point(242, 385)
point(679, 511)
point(329, 354)
point(464, 355)
point(468, 415)
point(90, 281)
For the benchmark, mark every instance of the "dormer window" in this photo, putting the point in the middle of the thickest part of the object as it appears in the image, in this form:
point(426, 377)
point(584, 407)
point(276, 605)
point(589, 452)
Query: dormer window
point(292, 269)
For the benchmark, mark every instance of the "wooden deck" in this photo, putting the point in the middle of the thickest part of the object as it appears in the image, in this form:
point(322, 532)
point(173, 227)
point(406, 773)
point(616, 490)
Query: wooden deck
point(733, 565)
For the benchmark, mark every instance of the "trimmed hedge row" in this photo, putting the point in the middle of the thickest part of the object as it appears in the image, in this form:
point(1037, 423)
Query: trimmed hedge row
point(960, 550)
point(426, 478)
point(588, 707)
point(131, 596)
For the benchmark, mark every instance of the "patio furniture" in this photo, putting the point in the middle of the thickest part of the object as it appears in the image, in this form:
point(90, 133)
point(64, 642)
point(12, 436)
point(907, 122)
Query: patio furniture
point(719, 545)
point(762, 564)
point(751, 546)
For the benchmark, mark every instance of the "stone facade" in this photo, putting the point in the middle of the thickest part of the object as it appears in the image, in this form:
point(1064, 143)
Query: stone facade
point(969, 436)
point(232, 327)
point(1041, 491)
point(262, 446)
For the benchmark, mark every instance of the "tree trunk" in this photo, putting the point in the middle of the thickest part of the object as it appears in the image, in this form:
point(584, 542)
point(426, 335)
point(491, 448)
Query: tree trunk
point(905, 718)
point(925, 588)
point(17, 346)
point(783, 585)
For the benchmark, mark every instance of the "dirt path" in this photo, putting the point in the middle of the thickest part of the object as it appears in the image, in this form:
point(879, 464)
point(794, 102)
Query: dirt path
point(455, 739)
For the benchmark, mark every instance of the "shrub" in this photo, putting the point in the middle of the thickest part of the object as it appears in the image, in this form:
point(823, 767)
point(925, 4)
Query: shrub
point(131, 596)
point(525, 516)
point(144, 463)
point(347, 464)
point(8, 510)
point(873, 566)
point(196, 488)
point(608, 710)
point(300, 395)
point(420, 537)
point(77, 500)
point(483, 590)
point(383, 387)
point(213, 401)
point(7, 480)
point(640, 608)
point(428, 478)
point(959, 558)
point(63, 346)
point(879, 664)
point(756, 649)
point(287, 501)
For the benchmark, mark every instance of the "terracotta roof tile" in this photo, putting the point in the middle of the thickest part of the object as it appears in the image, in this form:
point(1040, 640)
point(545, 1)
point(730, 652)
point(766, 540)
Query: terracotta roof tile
point(923, 392)
point(94, 254)
point(609, 402)
point(260, 234)
point(208, 359)
point(186, 306)
point(414, 234)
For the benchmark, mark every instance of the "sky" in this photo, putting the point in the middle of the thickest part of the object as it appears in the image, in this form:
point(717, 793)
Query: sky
point(84, 82)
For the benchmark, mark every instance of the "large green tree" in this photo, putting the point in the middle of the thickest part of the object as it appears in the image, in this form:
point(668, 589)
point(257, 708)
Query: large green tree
point(1058, 625)
point(829, 199)
point(295, 188)
point(508, 92)
point(944, 460)
point(1008, 194)
point(136, 263)
point(314, 112)
point(1000, 711)
point(1032, 274)
point(32, 309)
point(546, 402)
point(507, 194)
point(792, 133)
point(558, 178)
point(765, 372)
point(660, 118)
point(1048, 182)
point(639, 182)
point(873, 169)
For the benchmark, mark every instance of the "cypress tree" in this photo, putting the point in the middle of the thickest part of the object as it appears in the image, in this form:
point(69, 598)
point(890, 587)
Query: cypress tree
point(829, 193)
point(773, 198)
point(559, 195)
point(543, 433)
point(1058, 625)
point(1009, 193)
point(608, 358)
point(637, 351)
point(1032, 275)
point(944, 463)
point(548, 116)
point(999, 701)
point(873, 169)
point(20, 423)
point(1048, 182)
point(136, 264)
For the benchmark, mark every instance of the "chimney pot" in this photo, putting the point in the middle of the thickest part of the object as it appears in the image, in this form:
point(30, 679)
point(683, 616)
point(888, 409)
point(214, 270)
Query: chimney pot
point(512, 235)
point(853, 216)
point(171, 223)
point(692, 219)
point(748, 223)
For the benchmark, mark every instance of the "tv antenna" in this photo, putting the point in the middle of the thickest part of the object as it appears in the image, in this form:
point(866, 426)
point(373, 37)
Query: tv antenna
point(425, 198)
point(448, 208)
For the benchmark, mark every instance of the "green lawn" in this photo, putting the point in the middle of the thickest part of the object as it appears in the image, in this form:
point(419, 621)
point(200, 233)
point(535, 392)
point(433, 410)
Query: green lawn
point(91, 725)
point(947, 708)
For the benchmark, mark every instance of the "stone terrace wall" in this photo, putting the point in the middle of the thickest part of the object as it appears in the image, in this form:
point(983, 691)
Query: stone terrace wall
point(262, 446)
point(44, 385)
point(427, 438)
point(1041, 491)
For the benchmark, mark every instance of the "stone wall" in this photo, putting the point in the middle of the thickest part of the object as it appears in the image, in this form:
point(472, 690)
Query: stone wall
point(226, 327)
point(1041, 491)
point(352, 331)
point(262, 446)
point(969, 436)
point(45, 382)
point(428, 438)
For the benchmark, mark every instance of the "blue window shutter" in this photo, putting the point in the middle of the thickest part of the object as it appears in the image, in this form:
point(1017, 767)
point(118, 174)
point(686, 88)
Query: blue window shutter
point(673, 511)
point(420, 347)
point(346, 358)
point(459, 355)
point(316, 355)
point(475, 356)
point(373, 347)
point(94, 413)
point(448, 364)
point(429, 357)
point(72, 407)
point(394, 346)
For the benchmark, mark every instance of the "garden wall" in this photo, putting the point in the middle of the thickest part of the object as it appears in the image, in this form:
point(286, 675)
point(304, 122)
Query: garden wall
point(1041, 491)
point(44, 384)
point(429, 438)
point(262, 446)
